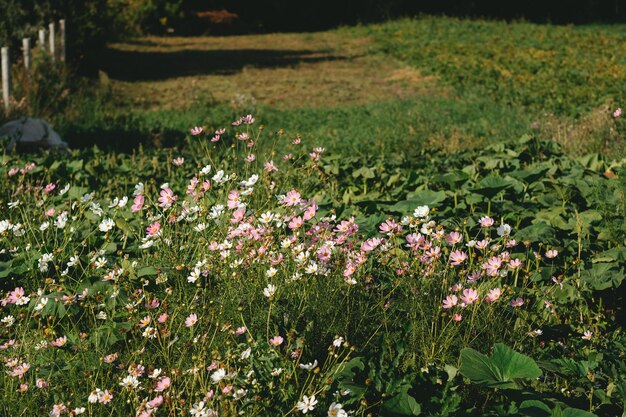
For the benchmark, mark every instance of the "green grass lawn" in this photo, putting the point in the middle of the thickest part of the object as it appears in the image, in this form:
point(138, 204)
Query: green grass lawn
point(454, 84)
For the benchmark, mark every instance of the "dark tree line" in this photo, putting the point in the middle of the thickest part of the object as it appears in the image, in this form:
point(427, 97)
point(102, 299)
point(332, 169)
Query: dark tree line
point(293, 15)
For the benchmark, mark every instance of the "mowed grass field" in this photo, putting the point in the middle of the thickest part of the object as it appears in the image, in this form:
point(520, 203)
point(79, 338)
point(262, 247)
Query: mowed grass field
point(448, 83)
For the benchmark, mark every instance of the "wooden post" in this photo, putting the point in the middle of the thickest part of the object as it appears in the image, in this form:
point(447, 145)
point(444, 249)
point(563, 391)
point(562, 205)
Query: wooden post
point(6, 80)
point(26, 51)
point(53, 48)
point(62, 39)
point(42, 39)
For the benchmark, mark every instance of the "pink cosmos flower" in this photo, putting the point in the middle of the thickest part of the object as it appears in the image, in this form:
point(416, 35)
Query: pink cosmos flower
point(515, 264)
point(153, 229)
point(518, 302)
point(292, 198)
point(276, 341)
point(163, 384)
point(389, 227)
point(250, 158)
point(178, 161)
point(17, 297)
point(371, 244)
point(324, 253)
point(137, 203)
point(163, 318)
point(457, 257)
point(191, 320)
point(296, 223)
point(167, 197)
point(270, 167)
point(469, 296)
point(552, 253)
point(492, 266)
point(233, 200)
point(486, 221)
point(457, 317)
point(238, 215)
point(450, 301)
point(617, 113)
point(309, 213)
point(155, 402)
point(493, 295)
point(19, 370)
point(57, 410)
point(144, 321)
point(59, 342)
point(454, 238)
point(240, 330)
point(104, 397)
point(482, 244)
point(195, 131)
point(49, 188)
point(587, 335)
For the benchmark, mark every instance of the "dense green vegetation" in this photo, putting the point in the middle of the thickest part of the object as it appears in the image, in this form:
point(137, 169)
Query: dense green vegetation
point(447, 254)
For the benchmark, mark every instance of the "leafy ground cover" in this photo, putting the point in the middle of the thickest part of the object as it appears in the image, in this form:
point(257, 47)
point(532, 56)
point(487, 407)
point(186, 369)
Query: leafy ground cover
point(405, 242)
point(252, 273)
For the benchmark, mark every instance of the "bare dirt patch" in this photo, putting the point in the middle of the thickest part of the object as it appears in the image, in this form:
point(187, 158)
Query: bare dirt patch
point(282, 70)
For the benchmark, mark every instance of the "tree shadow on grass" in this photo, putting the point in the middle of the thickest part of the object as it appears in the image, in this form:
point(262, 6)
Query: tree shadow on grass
point(154, 66)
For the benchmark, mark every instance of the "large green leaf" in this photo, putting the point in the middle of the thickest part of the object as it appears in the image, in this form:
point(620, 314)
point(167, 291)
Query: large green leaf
point(5, 269)
point(492, 185)
point(500, 370)
point(419, 198)
point(401, 405)
point(602, 276)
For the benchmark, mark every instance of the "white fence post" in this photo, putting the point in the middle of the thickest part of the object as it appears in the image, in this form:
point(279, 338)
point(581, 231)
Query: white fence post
point(62, 39)
point(26, 51)
point(42, 39)
point(53, 48)
point(6, 80)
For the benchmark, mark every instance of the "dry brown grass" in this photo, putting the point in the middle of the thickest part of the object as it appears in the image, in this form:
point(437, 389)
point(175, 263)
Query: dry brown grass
point(592, 132)
point(281, 70)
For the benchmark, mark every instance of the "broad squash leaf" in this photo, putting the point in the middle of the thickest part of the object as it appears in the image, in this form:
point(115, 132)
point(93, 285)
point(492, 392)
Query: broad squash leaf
point(500, 370)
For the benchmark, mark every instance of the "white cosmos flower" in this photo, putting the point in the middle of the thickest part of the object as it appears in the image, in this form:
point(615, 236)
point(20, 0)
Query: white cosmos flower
point(504, 230)
point(309, 366)
point(336, 410)
point(421, 211)
point(269, 291)
point(218, 375)
point(130, 382)
point(41, 303)
point(246, 353)
point(307, 404)
point(194, 275)
point(311, 268)
point(266, 217)
point(106, 225)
